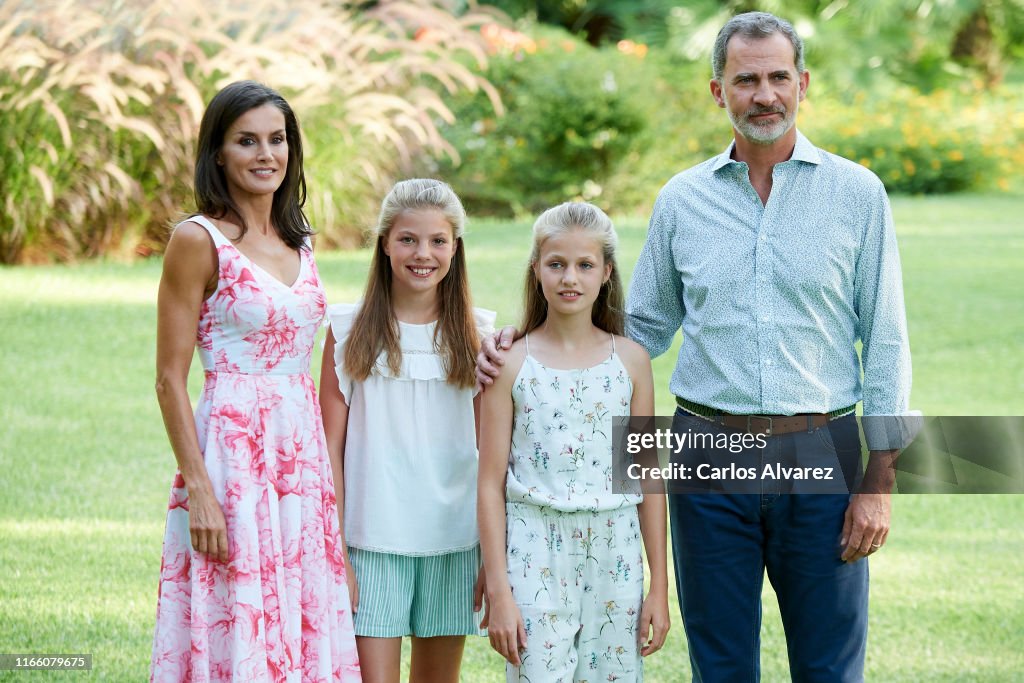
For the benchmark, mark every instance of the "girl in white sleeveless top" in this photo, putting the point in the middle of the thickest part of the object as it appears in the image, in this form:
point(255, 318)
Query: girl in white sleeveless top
point(561, 548)
point(397, 393)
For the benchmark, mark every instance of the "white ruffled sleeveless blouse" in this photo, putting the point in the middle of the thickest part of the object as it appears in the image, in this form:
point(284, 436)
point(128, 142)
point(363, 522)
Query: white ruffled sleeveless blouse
point(410, 454)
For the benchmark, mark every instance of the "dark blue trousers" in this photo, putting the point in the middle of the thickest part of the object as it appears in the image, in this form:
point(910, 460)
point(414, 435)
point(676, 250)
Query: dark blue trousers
point(724, 542)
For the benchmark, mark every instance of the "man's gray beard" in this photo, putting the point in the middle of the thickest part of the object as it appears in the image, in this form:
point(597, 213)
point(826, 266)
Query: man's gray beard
point(760, 135)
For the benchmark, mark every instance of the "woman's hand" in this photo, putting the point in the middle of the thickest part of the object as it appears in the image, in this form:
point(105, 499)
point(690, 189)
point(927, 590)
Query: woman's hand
point(654, 622)
point(479, 591)
point(207, 526)
point(506, 629)
point(353, 584)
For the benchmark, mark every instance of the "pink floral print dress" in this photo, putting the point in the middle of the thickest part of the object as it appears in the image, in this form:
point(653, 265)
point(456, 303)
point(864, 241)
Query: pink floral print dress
point(278, 609)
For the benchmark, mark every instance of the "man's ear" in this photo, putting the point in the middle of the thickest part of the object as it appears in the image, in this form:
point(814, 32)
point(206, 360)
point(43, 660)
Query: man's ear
point(717, 92)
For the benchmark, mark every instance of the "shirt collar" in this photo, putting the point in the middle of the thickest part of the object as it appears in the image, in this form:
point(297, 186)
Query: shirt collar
point(804, 150)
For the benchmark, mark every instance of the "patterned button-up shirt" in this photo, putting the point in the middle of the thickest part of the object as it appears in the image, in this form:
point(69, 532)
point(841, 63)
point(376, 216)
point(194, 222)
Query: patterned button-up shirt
point(772, 298)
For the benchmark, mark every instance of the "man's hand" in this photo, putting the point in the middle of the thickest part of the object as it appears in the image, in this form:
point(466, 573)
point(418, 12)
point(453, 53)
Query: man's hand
point(866, 525)
point(492, 355)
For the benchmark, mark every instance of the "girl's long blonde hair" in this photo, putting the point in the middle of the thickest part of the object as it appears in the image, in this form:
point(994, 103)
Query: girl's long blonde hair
point(375, 328)
point(607, 313)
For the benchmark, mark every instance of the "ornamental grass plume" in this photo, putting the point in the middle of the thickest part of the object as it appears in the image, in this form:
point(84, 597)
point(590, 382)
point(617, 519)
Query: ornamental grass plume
point(100, 103)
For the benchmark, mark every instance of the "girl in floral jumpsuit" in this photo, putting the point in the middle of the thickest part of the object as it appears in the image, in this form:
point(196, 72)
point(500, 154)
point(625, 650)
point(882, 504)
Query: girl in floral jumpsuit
point(561, 548)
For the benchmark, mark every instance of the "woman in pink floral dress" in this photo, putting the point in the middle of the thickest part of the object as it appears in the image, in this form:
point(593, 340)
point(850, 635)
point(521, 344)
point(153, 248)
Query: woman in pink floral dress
point(253, 578)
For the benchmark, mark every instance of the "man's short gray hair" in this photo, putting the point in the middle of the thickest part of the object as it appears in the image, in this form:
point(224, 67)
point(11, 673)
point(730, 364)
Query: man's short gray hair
point(757, 25)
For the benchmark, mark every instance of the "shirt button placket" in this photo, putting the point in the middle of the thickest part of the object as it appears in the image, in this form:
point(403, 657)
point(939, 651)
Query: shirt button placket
point(763, 274)
point(771, 400)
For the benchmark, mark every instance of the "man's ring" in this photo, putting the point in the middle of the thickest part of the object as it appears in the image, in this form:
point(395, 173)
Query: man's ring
point(876, 545)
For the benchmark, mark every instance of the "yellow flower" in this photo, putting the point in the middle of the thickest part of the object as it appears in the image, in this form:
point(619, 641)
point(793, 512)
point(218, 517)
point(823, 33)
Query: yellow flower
point(628, 47)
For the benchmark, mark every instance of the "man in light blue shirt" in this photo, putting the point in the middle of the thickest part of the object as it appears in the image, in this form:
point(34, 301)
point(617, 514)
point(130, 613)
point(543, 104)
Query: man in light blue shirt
point(775, 258)
point(772, 297)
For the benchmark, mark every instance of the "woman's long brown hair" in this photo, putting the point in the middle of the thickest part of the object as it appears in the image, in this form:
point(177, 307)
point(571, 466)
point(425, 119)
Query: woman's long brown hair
point(375, 328)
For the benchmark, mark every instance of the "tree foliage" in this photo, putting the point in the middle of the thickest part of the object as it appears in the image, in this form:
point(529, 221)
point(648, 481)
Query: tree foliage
point(923, 43)
point(574, 113)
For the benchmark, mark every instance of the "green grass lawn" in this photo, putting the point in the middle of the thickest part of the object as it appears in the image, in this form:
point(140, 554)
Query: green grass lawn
point(86, 467)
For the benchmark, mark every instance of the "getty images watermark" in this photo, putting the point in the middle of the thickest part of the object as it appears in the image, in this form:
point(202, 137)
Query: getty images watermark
point(691, 454)
point(734, 443)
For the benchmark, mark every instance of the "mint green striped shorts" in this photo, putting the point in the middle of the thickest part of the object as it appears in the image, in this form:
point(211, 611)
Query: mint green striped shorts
point(423, 596)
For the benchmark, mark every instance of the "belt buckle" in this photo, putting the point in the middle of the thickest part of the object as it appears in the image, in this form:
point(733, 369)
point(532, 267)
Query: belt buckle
point(767, 418)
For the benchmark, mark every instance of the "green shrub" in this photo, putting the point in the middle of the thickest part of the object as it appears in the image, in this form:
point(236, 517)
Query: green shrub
point(925, 144)
point(573, 114)
point(685, 128)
